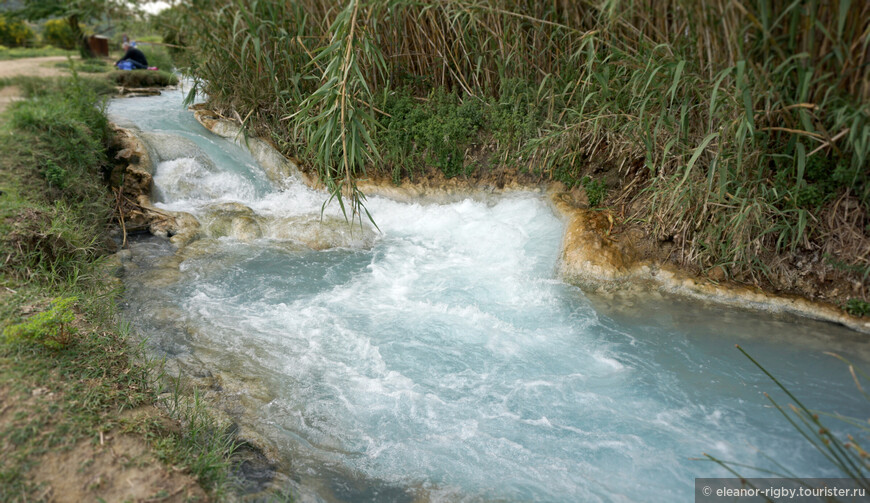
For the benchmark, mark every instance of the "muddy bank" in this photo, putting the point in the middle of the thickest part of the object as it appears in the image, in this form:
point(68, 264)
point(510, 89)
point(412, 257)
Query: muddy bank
point(593, 257)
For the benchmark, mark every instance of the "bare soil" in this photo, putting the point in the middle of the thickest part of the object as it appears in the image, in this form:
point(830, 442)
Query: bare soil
point(26, 67)
point(119, 467)
point(32, 67)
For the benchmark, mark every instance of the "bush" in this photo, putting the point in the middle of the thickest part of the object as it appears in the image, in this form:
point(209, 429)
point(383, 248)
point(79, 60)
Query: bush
point(143, 78)
point(58, 33)
point(15, 33)
point(440, 128)
point(858, 307)
point(50, 328)
point(596, 191)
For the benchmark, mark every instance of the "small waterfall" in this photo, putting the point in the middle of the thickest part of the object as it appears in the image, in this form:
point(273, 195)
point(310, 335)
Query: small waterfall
point(441, 359)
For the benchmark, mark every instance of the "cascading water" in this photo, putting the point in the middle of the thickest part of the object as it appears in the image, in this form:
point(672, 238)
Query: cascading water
point(441, 359)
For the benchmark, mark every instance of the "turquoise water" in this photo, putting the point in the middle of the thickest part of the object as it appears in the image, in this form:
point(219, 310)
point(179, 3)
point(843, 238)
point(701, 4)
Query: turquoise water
point(447, 362)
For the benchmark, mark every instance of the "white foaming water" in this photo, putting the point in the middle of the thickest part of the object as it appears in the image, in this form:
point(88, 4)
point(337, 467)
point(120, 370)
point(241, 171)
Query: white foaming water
point(185, 180)
point(447, 363)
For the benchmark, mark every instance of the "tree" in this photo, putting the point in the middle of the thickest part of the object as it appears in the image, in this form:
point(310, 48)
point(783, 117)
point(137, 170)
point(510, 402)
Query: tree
point(75, 12)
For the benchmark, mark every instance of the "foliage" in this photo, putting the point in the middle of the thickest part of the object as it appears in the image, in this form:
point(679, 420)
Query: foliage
point(436, 132)
point(15, 33)
point(858, 307)
point(58, 33)
point(741, 128)
point(205, 445)
point(143, 78)
point(50, 328)
point(596, 190)
point(30, 52)
point(74, 13)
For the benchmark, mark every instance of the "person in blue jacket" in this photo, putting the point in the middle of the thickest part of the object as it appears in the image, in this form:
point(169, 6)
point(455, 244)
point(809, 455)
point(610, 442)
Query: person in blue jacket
point(134, 57)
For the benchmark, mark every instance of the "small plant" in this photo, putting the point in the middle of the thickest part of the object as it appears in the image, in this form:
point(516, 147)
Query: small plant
point(845, 454)
point(55, 175)
point(50, 328)
point(858, 307)
point(596, 190)
point(440, 129)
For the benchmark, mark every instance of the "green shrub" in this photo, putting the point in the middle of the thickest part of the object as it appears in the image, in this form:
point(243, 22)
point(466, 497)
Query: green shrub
point(50, 328)
point(57, 32)
point(858, 307)
point(15, 33)
point(438, 130)
point(596, 191)
point(143, 78)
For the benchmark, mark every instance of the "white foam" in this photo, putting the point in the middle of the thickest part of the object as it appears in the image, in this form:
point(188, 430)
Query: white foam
point(184, 182)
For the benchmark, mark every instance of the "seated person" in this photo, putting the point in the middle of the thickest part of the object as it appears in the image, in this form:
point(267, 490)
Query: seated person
point(134, 56)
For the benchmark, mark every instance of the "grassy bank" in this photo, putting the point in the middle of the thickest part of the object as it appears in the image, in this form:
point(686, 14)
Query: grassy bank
point(76, 393)
point(735, 133)
point(7, 53)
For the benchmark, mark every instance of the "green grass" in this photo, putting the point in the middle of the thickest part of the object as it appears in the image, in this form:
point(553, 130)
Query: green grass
point(157, 55)
point(858, 307)
point(143, 78)
point(32, 87)
point(57, 300)
point(33, 52)
point(86, 66)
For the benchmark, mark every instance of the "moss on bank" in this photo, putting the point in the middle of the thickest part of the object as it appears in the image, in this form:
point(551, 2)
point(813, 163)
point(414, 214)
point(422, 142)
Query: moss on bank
point(70, 374)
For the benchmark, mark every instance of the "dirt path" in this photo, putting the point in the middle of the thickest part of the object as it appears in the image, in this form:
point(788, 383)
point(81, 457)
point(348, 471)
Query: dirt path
point(32, 67)
point(26, 67)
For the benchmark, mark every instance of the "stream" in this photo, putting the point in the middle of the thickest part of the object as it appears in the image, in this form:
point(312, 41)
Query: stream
point(441, 358)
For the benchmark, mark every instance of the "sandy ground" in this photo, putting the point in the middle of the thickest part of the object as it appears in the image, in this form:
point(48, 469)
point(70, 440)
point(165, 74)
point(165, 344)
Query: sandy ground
point(28, 67)
point(32, 67)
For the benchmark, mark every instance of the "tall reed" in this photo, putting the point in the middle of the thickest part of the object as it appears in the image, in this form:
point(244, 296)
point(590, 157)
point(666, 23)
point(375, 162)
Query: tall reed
point(740, 128)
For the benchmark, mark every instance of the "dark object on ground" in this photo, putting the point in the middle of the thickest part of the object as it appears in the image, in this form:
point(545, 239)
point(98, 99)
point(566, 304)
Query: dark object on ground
point(143, 78)
point(99, 45)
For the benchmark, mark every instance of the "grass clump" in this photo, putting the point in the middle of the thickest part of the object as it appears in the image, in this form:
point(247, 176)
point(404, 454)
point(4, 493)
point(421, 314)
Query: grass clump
point(858, 307)
point(86, 66)
point(143, 78)
point(205, 445)
point(7, 53)
point(52, 328)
